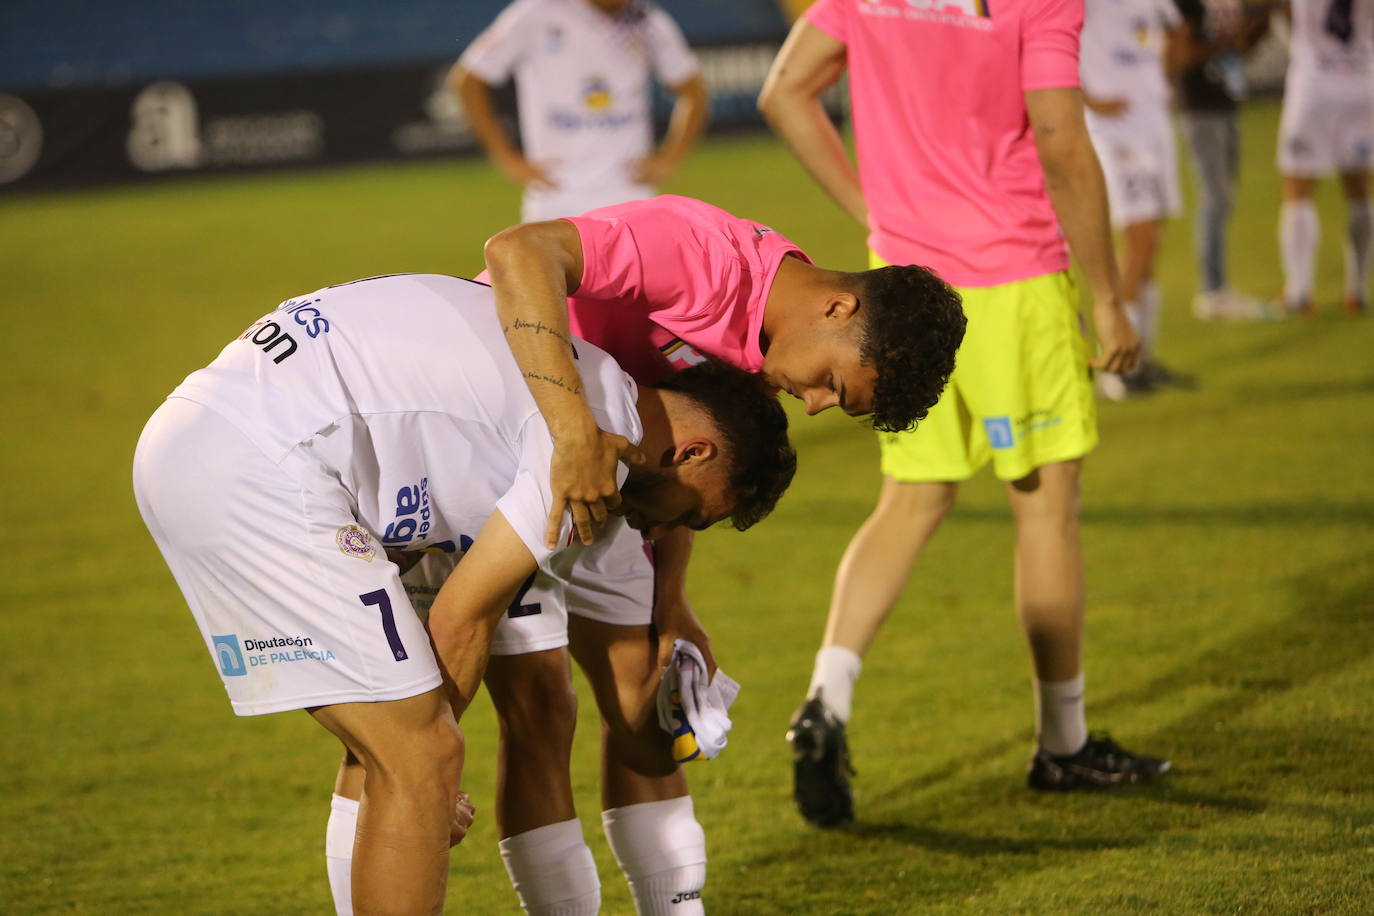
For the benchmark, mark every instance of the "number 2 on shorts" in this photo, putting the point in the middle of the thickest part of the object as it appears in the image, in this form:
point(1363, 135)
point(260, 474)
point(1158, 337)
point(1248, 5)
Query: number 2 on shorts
point(383, 602)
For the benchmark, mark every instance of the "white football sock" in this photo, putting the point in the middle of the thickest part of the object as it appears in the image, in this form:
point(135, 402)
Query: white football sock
point(837, 668)
point(662, 850)
point(338, 851)
point(1149, 317)
point(553, 871)
point(1299, 233)
point(1359, 232)
point(1137, 312)
point(1062, 725)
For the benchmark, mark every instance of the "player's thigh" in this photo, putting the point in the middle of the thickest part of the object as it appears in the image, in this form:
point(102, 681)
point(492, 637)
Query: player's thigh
point(296, 606)
point(1028, 384)
point(621, 665)
point(534, 699)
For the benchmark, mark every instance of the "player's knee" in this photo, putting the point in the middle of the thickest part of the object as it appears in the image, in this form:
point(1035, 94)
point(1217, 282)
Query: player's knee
point(424, 759)
point(907, 500)
point(661, 848)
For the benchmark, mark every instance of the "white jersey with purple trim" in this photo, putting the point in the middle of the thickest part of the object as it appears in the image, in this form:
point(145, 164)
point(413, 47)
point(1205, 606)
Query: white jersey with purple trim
point(583, 80)
point(1122, 57)
point(1332, 41)
point(404, 389)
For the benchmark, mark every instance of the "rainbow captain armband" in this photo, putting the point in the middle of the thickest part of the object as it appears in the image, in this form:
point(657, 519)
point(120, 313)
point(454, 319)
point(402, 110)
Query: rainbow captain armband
point(685, 745)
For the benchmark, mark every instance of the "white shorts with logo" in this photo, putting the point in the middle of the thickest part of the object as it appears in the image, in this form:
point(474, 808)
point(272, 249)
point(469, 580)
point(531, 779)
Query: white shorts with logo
point(297, 606)
point(614, 585)
point(1327, 127)
point(1140, 165)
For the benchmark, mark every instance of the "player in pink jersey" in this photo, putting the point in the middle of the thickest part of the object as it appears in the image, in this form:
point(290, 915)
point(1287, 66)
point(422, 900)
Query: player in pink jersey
point(972, 156)
point(642, 280)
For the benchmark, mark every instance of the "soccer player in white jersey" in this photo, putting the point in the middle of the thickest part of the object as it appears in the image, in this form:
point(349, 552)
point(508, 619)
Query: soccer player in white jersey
point(583, 72)
point(1327, 127)
point(1126, 46)
point(383, 416)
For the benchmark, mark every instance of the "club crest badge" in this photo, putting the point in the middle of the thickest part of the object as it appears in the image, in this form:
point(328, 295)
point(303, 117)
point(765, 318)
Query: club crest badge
point(355, 542)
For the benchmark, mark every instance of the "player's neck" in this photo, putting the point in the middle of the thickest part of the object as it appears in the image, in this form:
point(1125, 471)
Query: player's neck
point(655, 421)
point(797, 288)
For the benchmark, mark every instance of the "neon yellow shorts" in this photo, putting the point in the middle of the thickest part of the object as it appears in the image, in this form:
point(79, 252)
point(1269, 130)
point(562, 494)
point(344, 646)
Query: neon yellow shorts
point(1021, 392)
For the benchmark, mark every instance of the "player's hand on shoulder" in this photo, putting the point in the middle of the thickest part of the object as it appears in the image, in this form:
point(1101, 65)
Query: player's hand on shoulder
point(582, 478)
point(1117, 340)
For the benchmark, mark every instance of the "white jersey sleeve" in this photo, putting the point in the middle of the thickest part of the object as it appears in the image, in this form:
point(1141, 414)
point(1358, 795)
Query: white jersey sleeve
point(494, 54)
point(673, 61)
point(526, 505)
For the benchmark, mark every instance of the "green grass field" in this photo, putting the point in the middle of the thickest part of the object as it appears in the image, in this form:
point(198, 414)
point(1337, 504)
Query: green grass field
point(1229, 538)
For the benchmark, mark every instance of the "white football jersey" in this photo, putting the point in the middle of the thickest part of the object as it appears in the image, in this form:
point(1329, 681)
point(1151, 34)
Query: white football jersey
point(1332, 38)
point(1122, 57)
point(583, 79)
point(404, 389)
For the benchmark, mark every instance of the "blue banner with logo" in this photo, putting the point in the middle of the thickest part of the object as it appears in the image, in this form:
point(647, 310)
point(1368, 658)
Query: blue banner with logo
point(96, 91)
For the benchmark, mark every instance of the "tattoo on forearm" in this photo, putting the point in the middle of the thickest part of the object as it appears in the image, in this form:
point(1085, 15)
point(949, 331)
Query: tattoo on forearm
point(554, 380)
point(538, 327)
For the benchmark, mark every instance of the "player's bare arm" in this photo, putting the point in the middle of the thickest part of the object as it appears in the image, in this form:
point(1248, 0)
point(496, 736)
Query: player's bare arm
point(533, 267)
point(691, 107)
point(470, 604)
point(1073, 179)
point(673, 616)
point(1178, 50)
point(475, 96)
point(809, 63)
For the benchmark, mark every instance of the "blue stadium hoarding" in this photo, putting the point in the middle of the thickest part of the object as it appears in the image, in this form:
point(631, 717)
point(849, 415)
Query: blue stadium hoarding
point(93, 92)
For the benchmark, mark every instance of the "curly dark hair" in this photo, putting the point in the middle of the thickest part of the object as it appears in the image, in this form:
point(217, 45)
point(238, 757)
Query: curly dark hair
point(753, 428)
point(911, 325)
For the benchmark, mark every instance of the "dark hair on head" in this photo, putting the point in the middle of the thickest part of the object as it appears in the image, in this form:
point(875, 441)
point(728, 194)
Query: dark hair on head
point(911, 325)
point(753, 429)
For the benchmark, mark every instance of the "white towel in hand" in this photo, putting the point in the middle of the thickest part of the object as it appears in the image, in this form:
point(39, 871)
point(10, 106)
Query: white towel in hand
point(692, 709)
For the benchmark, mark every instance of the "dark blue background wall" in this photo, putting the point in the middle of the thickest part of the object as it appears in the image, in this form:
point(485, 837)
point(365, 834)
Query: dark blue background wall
point(54, 44)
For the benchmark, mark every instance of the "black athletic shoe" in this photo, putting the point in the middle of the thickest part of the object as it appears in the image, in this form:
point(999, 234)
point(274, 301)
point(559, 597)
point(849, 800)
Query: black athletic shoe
point(1161, 376)
point(1100, 764)
point(820, 765)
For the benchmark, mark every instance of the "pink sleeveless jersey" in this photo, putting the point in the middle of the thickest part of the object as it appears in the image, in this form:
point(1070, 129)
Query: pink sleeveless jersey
point(945, 152)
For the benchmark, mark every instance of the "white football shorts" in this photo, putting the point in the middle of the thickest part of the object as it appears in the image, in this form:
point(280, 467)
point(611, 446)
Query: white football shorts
point(1141, 169)
point(296, 604)
point(613, 584)
point(1327, 128)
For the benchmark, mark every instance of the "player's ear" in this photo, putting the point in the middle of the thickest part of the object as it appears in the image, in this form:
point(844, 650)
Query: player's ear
point(841, 305)
point(694, 451)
